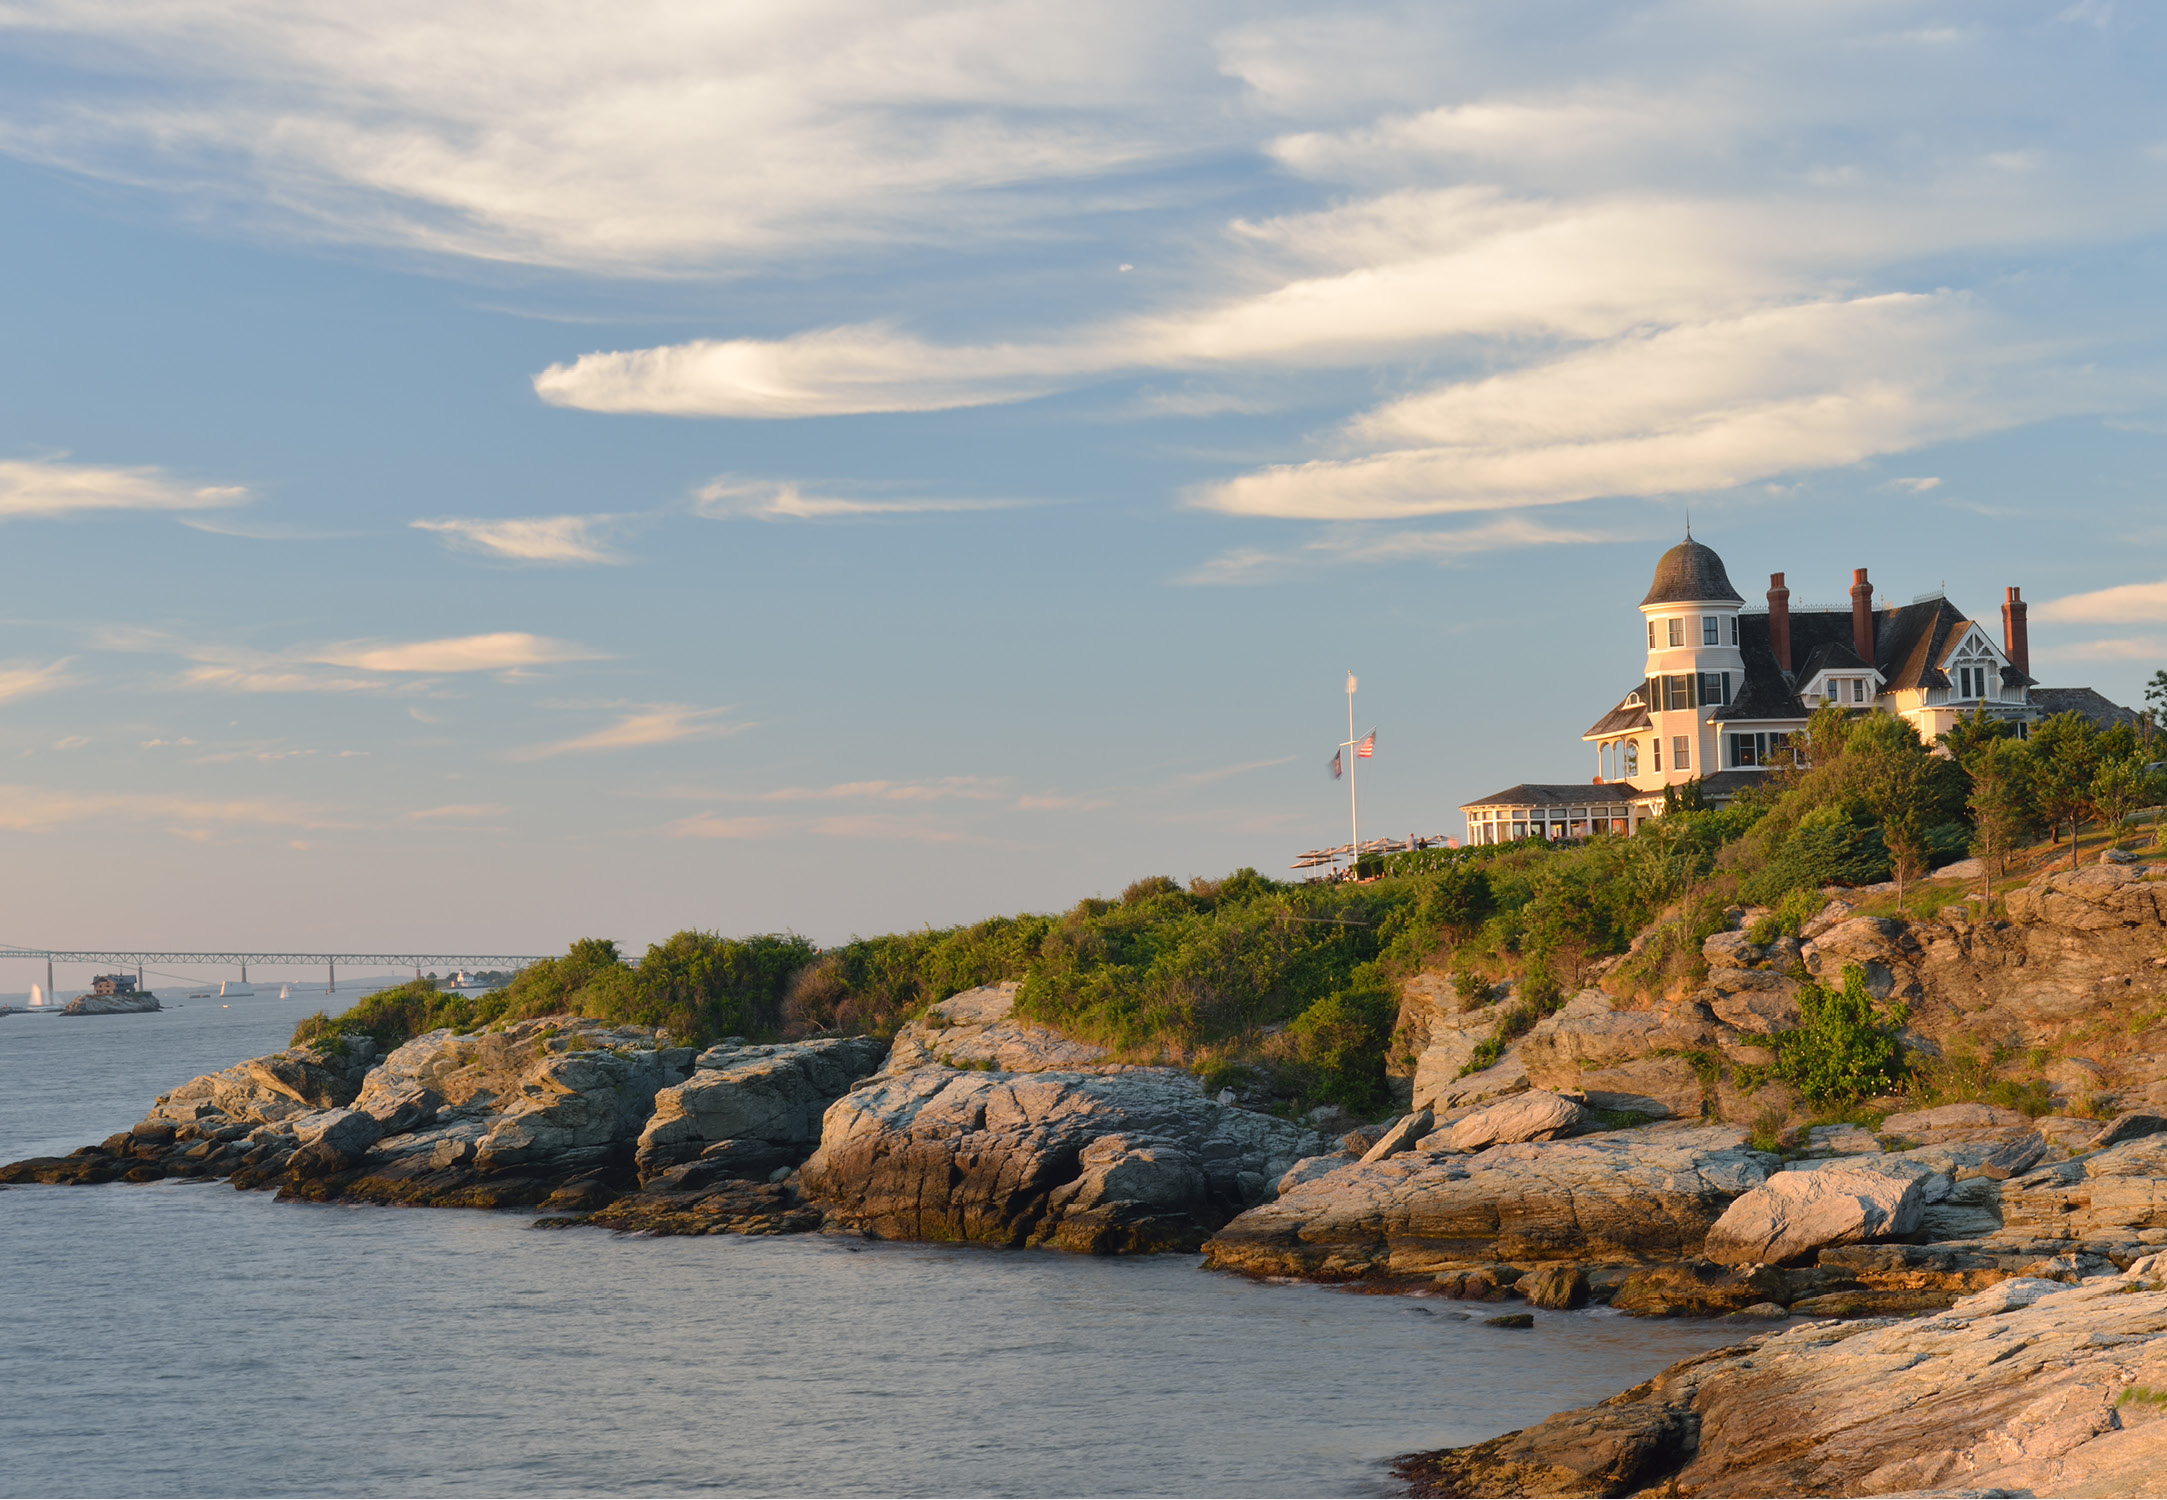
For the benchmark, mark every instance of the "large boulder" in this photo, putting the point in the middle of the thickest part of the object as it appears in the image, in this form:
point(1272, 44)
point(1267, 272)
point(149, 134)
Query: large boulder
point(770, 1094)
point(1794, 1215)
point(1523, 1117)
point(267, 1090)
point(1622, 1060)
point(2016, 1391)
point(1616, 1197)
point(979, 1029)
point(1001, 1158)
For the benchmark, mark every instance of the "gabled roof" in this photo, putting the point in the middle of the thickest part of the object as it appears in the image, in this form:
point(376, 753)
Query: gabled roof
point(2090, 702)
point(1830, 656)
point(1630, 714)
point(1689, 573)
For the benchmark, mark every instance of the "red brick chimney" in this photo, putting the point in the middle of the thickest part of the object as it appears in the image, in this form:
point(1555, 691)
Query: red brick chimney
point(2014, 639)
point(1779, 622)
point(1862, 616)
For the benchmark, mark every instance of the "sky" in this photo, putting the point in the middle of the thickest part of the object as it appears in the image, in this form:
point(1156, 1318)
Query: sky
point(476, 477)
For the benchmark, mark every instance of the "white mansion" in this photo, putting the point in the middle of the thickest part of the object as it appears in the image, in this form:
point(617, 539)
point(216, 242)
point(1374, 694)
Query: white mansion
point(1724, 686)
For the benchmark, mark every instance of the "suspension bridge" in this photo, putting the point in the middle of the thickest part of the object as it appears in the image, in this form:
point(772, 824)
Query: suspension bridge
point(142, 958)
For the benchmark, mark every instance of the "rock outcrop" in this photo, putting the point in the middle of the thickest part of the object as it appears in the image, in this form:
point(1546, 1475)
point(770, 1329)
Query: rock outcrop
point(1619, 1197)
point(755, 1108)
point(2030, 1387)
point(141, 1003)
point(1129, 1161)
point(1795, 1215)
point(979, 1029)
point(551, 1111)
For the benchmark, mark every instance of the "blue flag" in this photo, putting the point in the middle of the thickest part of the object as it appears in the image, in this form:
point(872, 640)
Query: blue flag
point(1336, 771)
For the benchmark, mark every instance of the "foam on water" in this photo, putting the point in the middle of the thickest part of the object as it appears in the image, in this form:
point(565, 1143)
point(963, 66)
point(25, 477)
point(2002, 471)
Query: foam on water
point(186, 1339)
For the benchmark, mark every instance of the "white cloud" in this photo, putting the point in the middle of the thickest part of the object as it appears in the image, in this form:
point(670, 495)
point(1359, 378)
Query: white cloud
point(464, 812)
point(638, 137)
point(36, 809)
point(1695, 407)
point(494, 652)
point(662, 724)
point(710, 826)
point(21, 679)
point(545, 539)
point(2144, 648)
point(730, 497)
point(1367, 544)
point(51, 488)
point(2124, 604)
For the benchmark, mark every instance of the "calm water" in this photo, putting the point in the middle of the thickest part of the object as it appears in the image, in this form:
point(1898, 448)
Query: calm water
point(186, 1339)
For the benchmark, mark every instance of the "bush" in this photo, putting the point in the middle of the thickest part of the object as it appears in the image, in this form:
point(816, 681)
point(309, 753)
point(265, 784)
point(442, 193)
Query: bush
point(1336, 1046)
point(1846, 1046)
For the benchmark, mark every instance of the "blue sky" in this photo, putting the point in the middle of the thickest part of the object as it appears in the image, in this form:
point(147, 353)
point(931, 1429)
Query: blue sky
point(487, 476)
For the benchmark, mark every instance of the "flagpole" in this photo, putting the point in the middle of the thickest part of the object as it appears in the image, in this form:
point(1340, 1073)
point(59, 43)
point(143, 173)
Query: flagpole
point(1354, 822)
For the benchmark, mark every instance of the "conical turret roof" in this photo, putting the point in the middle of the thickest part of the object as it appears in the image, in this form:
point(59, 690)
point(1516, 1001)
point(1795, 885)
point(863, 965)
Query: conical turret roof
point(1688, 574)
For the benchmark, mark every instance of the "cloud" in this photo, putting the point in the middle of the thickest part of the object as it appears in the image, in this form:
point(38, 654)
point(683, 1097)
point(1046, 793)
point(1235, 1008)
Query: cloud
point(21, 679)
point(1206, 778)
point(1698, 407)
point(729, 497)
point(494, 652)
point(662, 724)
point(545, 539)
point(709, 826)
point(39, 809)
point(51, 488)
point(2145, 648)
point(616, 140)
point(2124, 604)
point(1916, 486)
point(1366, 544)
point(459, 811)
point(940, 789)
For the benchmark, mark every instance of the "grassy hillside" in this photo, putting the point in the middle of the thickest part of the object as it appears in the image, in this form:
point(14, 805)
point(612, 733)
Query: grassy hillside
point(1290, 989)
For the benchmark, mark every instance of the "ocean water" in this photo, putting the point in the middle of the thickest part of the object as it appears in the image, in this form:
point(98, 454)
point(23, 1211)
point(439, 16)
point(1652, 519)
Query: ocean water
point(185, 1339)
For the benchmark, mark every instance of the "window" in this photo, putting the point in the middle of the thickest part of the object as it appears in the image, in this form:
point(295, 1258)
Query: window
point(1681, 752)
point(1858, 690)
point(1651, 635)
point(1655, 750)
point(1734, 630)
point(1715, 687)
point(1632, 757)
point(1678, 691)
point(1744, 750)
point(1710, 626)
point(1677, 632)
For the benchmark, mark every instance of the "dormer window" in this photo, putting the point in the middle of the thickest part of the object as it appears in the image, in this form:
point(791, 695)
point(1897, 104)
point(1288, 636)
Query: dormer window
point(1858, 690)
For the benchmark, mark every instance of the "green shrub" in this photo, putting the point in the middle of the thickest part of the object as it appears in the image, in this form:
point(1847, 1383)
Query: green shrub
point(1846, 1046)
point(1338, 1044)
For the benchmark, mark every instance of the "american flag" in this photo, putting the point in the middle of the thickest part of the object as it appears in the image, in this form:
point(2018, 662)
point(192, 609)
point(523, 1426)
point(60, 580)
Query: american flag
point(1337, 772)
point(1368, 747)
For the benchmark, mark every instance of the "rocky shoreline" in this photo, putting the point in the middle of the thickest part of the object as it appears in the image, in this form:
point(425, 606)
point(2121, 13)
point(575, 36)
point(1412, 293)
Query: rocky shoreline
point(1603, 1157)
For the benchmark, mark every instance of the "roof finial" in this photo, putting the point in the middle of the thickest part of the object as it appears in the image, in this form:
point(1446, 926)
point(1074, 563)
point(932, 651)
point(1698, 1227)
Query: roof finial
point(1689, 523)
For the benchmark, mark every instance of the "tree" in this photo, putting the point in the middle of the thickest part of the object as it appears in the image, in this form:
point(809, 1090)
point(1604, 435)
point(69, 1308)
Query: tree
point(2000, 803)
point(1891, 771)
point(1971, 736)
point(2122, 787)
point(2155, 693)
point(2065, 759)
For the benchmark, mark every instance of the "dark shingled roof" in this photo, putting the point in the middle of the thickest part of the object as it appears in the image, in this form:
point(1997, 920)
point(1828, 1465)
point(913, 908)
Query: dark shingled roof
point(2090, 702)
point(1630, 714)
point(1689, 573)
point(1551, 794)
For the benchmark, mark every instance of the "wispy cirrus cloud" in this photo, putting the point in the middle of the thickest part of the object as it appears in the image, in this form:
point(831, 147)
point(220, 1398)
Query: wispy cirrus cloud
point(22, 679)
point(51, 487)
point(730, 497)
point(659, 724)
point(1371, 544)
point(40, 809)
point(2124, 604)
point(532, 539)
point(495, 651)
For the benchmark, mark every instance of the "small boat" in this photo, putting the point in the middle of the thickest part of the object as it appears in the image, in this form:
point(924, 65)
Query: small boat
point(285, 992)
